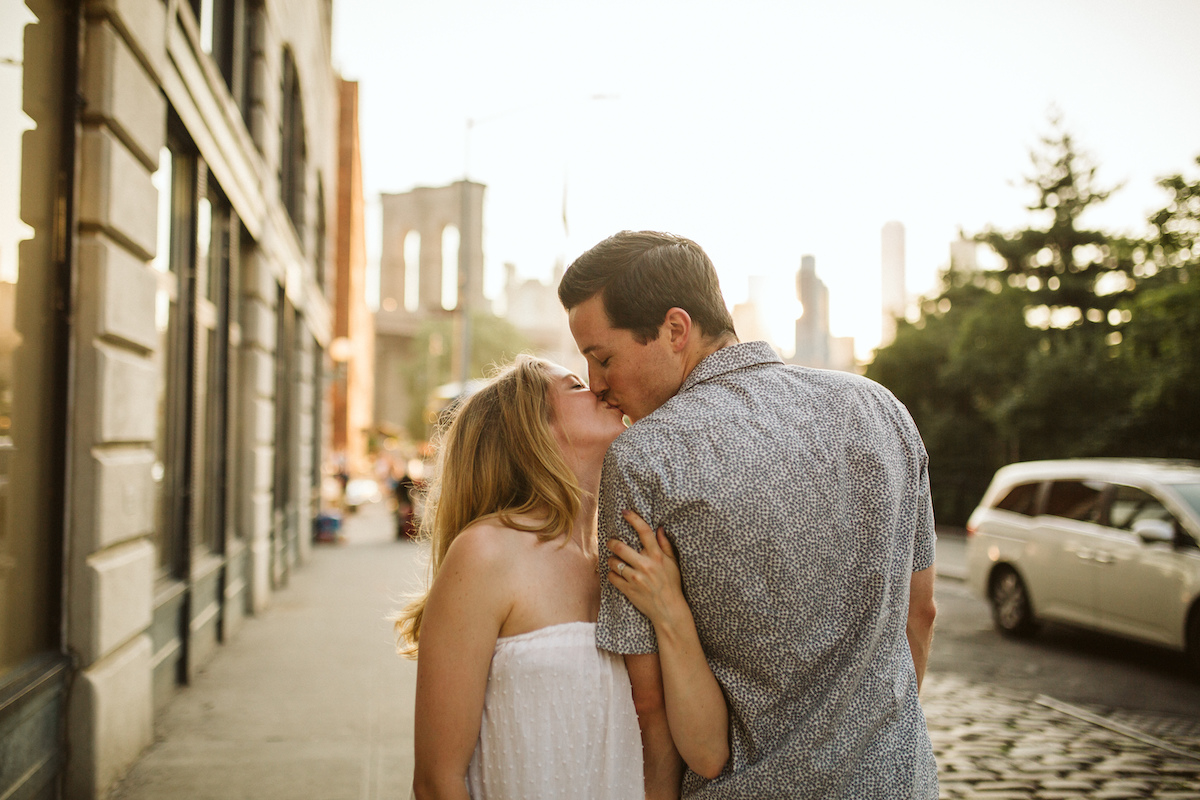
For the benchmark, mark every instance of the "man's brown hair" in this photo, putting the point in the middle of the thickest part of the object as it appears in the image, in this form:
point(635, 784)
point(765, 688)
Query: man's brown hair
point(640, 275)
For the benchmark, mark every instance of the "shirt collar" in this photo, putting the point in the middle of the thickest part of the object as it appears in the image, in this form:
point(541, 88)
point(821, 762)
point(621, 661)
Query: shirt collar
point(728, 359)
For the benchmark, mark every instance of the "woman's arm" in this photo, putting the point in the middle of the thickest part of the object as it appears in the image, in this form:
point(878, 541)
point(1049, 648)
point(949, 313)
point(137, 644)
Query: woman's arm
point(695, 706)
point(663, 768)
point(466, 607)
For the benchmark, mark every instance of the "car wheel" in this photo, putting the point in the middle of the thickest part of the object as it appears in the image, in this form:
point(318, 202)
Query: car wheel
point(1011, 610)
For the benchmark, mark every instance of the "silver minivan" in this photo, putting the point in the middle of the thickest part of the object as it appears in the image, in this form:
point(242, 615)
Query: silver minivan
point(1108, 544)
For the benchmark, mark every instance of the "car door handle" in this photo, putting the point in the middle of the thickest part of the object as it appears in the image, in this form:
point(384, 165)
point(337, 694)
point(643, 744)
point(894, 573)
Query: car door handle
point(1085, 554)
point(1104, 558)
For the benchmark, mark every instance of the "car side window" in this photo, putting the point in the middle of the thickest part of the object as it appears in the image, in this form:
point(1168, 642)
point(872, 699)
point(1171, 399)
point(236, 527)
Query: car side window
point(1021, 499)
point(1130, 504)
point(1079, 500)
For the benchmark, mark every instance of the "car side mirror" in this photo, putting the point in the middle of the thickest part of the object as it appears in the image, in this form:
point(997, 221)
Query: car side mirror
point(1152, 531)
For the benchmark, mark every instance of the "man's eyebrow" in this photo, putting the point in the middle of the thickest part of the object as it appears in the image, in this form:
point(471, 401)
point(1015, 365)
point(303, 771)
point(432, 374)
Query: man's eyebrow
point(589, 349)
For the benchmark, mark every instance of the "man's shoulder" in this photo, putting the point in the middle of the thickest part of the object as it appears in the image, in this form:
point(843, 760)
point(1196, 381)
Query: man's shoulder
point(642, 440)
point(840, 387)
point(830, 377)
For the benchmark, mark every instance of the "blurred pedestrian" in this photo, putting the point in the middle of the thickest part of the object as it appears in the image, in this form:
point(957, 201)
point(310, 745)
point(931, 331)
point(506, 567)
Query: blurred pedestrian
point(798, 503)
point(402, 489)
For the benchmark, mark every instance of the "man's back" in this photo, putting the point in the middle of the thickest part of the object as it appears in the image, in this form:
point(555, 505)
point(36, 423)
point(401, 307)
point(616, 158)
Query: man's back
point(798, 504)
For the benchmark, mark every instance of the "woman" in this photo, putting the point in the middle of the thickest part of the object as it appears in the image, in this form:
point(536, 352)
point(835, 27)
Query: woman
point(513, 698)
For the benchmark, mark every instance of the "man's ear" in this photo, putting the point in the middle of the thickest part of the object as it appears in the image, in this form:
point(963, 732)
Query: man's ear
point(678, 325)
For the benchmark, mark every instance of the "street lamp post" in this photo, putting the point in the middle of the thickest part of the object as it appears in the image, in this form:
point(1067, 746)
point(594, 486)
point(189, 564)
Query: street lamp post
point(465, 245)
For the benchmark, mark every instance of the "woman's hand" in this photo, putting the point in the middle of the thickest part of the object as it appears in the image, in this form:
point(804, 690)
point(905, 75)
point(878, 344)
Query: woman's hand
point(649, 579)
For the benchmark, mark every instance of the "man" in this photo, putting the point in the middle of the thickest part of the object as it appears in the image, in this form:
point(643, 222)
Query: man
point(798, 504)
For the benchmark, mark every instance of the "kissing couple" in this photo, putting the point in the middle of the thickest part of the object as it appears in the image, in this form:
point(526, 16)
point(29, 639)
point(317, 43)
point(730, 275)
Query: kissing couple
point(732, 597)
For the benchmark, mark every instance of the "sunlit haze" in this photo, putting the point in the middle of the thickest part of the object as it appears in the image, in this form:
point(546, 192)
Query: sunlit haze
point(766, 130)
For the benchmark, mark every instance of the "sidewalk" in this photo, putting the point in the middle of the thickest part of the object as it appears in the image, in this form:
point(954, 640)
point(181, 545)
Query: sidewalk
point(309, 702)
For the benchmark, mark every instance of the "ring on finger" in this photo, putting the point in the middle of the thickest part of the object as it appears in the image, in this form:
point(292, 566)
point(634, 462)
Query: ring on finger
point(621, 568)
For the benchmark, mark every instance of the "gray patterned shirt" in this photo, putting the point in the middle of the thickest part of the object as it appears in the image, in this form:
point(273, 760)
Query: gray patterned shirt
point(798, 503)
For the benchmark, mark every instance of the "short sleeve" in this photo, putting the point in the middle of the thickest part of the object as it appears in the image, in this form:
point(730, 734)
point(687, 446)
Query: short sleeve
point(924, 535)
point(621, 628)
point(924, 539)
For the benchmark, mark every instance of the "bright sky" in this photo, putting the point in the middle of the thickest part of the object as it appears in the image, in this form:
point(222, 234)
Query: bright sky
point(767, 130)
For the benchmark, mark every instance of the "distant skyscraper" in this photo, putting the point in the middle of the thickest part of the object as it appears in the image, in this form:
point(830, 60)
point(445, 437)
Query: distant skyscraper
point(812, 329)
point(748, 316)
point(895, 294)
point(815, 345)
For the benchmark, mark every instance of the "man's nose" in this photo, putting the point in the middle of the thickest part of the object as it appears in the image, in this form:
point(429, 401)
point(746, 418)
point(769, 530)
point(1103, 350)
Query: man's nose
point(596, 383)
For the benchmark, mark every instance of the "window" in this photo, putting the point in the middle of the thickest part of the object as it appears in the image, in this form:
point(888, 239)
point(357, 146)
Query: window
point(36, 136)
point(288, 332)
point(1079, 500)
point(450, 271)
point(216, 230)
point(412, 272)
point(1021, 499)
point(1130, 504)
point(293, 153)
point(253, 63)
point(178, 211)
point(321, 245)
point(223, 37)
point(198, 247)
point(1190, 492)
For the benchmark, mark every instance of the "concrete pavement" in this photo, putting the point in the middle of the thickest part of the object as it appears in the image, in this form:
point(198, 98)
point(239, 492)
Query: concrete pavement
point(309, 702)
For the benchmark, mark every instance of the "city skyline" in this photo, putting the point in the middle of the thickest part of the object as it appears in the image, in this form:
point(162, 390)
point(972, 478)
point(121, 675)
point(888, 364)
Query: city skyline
point(786, 130)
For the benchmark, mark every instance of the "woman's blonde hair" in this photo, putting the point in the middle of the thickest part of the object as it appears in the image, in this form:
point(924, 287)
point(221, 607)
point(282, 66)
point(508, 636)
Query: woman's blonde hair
point(497, 457)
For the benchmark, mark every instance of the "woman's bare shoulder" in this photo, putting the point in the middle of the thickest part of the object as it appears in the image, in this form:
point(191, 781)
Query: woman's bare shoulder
point(488, 544)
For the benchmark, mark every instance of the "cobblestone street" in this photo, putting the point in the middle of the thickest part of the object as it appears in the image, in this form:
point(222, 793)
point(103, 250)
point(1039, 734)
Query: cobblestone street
point(991, 743)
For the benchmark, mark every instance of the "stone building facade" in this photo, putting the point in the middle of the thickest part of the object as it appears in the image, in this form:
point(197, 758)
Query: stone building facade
point(167, 225)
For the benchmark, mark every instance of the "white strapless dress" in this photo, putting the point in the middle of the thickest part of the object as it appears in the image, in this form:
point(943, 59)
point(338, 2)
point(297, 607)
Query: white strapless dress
point(558, 721)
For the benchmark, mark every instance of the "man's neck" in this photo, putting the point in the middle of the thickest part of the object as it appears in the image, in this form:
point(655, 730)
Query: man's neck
point(707, 348)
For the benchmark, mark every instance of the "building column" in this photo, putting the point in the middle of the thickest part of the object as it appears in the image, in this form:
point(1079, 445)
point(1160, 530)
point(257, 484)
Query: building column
point(111, 558)
point(258, 420)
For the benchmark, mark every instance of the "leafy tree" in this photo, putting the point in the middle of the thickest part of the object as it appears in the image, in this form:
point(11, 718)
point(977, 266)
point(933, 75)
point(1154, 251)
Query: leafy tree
point(1160, 343)
point(989, 355)
point(1072, 283)
point(1079, 274)
point(1084, 343)
point(1018, 363)
point(919, 368)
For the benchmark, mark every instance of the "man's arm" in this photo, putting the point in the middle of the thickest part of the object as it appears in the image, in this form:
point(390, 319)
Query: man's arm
point(921, 613)
point(663, 766)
